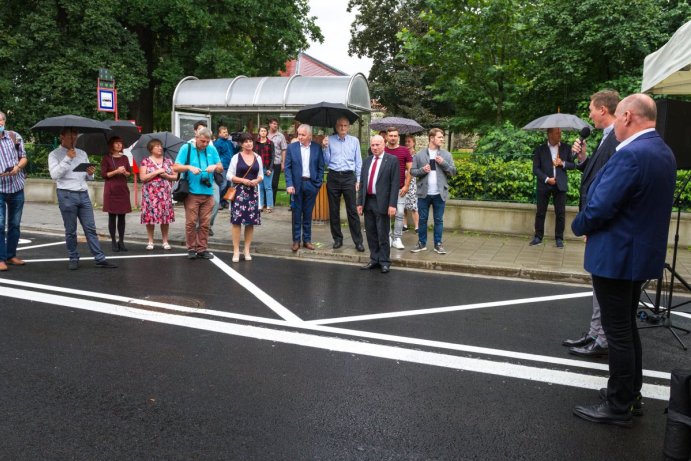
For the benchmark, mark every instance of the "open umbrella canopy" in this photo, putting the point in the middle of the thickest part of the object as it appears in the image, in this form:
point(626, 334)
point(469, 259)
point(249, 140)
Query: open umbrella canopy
point(404, 125)
point(325, 114)
point(81, 124)
point(564, 121)
point(97, 143)
point(171, 145)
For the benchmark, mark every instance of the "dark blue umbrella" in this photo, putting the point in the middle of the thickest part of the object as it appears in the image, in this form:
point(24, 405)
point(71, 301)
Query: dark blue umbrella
point(325, 114)
point(97, 143)
point(81, 124)
point(171, 145)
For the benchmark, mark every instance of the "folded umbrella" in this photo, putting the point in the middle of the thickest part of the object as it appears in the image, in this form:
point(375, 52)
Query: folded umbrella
point(171, 145)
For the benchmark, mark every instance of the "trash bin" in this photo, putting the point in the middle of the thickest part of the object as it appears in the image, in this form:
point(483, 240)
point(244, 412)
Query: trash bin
point(321, 206)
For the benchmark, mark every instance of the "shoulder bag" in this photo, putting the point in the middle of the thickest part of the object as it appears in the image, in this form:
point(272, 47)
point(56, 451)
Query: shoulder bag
point(230, 193)
point(182, 187)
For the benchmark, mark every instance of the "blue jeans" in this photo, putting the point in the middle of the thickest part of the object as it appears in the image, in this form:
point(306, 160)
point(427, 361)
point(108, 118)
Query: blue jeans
point(437, 204)
point(265, 192)
point(77, 205)
point(11, 205)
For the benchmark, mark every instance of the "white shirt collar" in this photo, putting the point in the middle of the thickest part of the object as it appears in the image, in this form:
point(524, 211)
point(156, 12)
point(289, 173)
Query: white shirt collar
point(633, 137)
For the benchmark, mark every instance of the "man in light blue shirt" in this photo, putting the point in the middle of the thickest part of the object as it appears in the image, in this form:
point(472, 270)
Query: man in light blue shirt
point(73, 197)
point(343, 159)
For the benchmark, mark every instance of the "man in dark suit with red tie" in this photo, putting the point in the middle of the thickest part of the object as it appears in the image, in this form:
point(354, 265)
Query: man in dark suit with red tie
point(550, 162)
point(377, 199)
point(626, 219)
point(304, 173)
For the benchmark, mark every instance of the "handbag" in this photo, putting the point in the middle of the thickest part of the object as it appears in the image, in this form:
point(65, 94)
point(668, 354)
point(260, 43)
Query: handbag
point(182, 187)
point(232, 190)
point(218, 179)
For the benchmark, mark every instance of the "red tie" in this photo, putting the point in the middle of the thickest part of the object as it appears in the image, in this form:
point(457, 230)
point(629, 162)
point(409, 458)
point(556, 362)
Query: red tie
point(371, 175)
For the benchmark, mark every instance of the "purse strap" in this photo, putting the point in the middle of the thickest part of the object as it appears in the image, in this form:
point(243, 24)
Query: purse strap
point(249, 168)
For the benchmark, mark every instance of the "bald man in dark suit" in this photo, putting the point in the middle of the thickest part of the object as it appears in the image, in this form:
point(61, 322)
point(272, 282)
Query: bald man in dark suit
point(377, 199)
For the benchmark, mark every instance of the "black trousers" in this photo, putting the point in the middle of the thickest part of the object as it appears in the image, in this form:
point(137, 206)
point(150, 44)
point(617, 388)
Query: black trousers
point(343, 184)
point(618, 304)
point(274, 181)
point(543, 196)
point(377, 227)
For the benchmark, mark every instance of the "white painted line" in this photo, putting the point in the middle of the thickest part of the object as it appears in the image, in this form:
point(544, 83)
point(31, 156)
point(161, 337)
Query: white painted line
point(271, 303)
point(439, 310)
point(40, 246)
point(342, 331)
point(91, 258)
point(565, 378)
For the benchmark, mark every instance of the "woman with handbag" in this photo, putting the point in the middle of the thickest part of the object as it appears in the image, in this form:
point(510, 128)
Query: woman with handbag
point(115, 170)
point(245, 172)
point(156, 174)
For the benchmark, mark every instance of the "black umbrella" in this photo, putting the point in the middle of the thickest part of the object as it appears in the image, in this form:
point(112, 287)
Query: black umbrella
point(81, 124)
point(171, 145)
point(404, 125)
point(325, 114)
point(97, 143)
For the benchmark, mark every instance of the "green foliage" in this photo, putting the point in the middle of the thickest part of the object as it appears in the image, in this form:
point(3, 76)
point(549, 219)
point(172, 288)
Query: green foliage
point(52, 50)
point(508, 142)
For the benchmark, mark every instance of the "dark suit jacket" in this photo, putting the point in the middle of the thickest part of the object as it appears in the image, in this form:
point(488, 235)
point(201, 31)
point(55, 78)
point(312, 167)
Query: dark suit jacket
point(543, 168)
point(594, 163)
point(386, 185)
point(626, 217)
point(293, 165)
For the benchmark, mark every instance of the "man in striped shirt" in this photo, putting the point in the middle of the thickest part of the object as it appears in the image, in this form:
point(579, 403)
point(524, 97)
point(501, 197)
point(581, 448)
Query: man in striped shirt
point(12, 163)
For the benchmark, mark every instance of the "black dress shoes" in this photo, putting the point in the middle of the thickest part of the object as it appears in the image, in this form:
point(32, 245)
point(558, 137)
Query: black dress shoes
point(370, 265)
point(385, 269)
point(591, 350)
point(337, 244)
point(601, 413)
point(359, 247)
point(637, 407)
point(580, 342)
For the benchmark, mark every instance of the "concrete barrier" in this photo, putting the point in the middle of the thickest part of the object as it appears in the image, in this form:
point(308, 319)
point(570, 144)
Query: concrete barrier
point(465, 215)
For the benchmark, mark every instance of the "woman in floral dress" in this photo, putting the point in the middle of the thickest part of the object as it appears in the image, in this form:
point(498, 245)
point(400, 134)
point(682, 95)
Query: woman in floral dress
point(156, 174)
point(245, 172)
point(411, 196)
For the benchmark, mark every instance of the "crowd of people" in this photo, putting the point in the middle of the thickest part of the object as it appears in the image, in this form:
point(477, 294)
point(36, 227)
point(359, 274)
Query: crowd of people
point(626, 193)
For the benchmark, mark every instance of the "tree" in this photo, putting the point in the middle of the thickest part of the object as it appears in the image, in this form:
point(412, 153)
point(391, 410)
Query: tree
point(51, 51)
point(402, 88)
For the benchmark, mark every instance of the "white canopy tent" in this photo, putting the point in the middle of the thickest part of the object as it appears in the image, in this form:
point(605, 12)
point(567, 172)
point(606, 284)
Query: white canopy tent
point(195, 99)
point(668, 70)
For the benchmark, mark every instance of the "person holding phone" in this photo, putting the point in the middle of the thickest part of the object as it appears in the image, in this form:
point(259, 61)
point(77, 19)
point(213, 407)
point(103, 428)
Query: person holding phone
point(432, 167)
point(12, 163)
point(73, 197)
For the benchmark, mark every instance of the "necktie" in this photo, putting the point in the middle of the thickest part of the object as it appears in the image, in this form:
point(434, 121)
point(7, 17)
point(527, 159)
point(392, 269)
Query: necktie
point(371, 175)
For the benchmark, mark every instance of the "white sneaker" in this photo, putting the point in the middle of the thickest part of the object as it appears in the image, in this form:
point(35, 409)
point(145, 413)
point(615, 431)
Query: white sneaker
point(397, 244)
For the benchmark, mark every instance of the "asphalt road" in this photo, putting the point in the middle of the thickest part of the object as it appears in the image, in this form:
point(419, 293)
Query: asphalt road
point(166, 358)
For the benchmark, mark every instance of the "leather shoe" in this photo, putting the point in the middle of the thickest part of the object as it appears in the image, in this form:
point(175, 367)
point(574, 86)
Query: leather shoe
point(337, 244)
point(3, 266)
point(370, 265)
point(16, 261)
point(580, 342)
point(591, 350)
point(385, 269)
point(308, 245)
point(637, 407)
point(359, 247)
point(601, 413)
point(295, 246)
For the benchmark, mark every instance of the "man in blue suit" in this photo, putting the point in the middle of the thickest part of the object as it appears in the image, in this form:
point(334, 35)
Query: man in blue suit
point(626, 219)
point(304, 173)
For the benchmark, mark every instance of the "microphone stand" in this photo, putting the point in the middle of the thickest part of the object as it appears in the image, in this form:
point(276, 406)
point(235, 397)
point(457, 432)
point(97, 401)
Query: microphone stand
point(666, 321)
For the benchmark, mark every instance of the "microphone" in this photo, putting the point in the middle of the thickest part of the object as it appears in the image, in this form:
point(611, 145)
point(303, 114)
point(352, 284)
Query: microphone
point(584, 133)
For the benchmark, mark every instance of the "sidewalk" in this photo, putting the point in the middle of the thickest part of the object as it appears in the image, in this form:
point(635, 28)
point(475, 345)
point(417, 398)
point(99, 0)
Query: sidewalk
point(487, 254)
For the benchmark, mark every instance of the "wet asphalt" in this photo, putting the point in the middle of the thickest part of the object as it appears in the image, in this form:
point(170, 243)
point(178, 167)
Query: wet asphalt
point(88, 372)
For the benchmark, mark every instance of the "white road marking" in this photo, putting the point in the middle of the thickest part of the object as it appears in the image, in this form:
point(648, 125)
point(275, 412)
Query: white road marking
point(565, 378)
point(439, 310)
point(39, 246)
point(342, 331)
point(23, 241)
point(91, 258)
point(261, 295)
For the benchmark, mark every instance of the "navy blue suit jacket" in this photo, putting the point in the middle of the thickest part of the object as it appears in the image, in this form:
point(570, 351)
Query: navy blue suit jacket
point(293, 165)
point(543, 167)
point(627, 212)
point(593, 164)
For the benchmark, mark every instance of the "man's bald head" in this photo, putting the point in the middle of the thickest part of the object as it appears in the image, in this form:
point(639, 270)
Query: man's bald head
point(634, 113)
point(376, 144)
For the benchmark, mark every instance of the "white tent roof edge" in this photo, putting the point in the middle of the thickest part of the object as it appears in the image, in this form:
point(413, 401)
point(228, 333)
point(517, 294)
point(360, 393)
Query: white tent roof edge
point(668, 70)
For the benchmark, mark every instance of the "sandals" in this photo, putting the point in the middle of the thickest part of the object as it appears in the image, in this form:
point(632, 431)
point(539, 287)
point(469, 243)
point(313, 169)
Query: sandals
point(150, 246)
point(248, 257)
point(166, 246)
point(269, 210)
point(236, 258)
